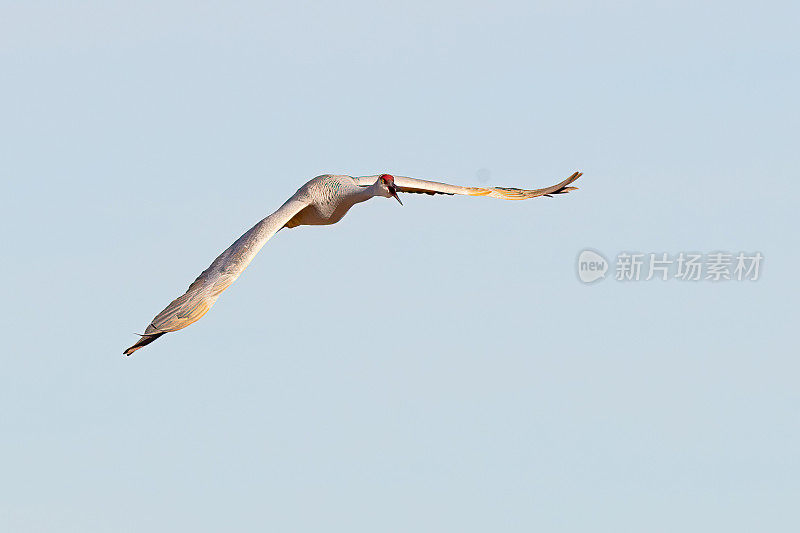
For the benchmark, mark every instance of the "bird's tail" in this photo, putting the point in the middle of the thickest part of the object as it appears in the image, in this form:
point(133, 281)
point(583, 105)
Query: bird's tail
point(144, 341)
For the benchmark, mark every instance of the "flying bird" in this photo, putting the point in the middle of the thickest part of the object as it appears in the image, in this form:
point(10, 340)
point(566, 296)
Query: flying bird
point(323, 200)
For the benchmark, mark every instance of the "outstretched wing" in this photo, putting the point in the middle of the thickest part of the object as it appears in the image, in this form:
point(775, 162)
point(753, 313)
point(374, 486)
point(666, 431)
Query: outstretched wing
point(204, 291)
point(412, 185)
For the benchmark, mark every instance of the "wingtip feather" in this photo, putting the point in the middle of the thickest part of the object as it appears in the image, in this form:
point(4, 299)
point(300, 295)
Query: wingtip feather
point(144, 341)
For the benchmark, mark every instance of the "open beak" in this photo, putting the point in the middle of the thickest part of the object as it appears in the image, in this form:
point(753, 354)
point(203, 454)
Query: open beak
point(393, 191)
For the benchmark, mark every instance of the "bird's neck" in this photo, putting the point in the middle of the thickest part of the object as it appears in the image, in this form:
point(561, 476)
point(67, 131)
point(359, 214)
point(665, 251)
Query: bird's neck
point(365, 193)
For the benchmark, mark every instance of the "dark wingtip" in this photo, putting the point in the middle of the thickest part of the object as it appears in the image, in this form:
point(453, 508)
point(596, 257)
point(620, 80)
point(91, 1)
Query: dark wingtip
point(563, 187)
point(144, 341)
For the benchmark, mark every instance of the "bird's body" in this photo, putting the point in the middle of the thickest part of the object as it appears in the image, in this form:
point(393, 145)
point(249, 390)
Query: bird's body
point(323, 200)
point(329, 198)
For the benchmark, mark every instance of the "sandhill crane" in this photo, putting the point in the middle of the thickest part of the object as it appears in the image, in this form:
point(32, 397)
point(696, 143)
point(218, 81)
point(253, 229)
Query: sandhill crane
point(323, 200)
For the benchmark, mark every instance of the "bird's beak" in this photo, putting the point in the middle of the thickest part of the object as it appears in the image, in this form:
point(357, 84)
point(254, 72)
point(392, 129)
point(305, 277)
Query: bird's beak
point(393, 191)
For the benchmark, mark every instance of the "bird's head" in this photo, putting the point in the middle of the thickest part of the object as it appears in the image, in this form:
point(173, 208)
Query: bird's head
point(386, 184)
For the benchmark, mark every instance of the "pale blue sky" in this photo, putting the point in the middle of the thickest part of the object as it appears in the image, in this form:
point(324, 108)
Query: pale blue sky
point(435, 367)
